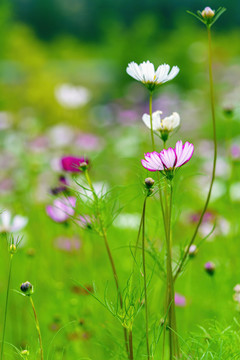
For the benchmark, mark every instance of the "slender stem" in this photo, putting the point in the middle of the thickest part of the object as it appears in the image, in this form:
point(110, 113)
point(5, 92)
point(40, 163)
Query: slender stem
point(151, 120)
point(180, 266)
point(37, 327)
point(6, 305)
point(173, 340)
point(144, 278)
point(104, 236)
point(153, 149)
point(130, 345)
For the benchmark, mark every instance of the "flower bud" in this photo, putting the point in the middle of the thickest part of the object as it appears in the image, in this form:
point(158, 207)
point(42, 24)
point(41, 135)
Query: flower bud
point(83, 166)
point(12, 249)
point(208, 13)
point(27, 288)
point(192, 250)
point(149, 182)
point(210, 267)
point(25, 352)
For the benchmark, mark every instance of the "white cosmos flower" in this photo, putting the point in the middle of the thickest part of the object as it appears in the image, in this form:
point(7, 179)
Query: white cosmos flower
point(167, 124)
point(146, 73)
point(11, 224)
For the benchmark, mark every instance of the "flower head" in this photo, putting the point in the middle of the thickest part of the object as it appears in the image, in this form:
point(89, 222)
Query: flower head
point(61, 209)
point(165, 126)
point(208, 16)
point(11, 224)
point(146, 74)
point(170, 159)
point(72, 163)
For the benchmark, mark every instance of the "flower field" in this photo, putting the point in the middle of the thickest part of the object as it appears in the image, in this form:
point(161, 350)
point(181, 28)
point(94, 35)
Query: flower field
point(120, 186)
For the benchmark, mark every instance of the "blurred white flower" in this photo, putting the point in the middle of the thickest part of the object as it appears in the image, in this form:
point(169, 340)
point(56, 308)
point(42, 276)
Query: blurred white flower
point(146, 73)
point(127, 221)
point(61, 135)
point(11, 224)
point(72, 97)
point(169, 123)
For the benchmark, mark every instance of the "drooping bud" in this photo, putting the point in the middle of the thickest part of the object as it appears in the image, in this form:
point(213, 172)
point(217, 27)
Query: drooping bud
point(27, 288)
point(210, 267)
point(208, 13)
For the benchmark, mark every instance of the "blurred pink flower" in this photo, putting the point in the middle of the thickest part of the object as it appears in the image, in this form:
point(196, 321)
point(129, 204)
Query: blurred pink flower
point(87, 141)
point(67, 244)
point(180, 300)
point(72, 163)
point(61, 209)
point(235, 152)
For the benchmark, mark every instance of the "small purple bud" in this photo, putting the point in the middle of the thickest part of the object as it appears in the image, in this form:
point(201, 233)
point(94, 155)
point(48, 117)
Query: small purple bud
point(210, 267)
point(27, 288)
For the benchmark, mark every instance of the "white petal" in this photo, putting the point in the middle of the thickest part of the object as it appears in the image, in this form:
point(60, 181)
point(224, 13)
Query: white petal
point(156, 120)
point(19, 222)
point(6, 219)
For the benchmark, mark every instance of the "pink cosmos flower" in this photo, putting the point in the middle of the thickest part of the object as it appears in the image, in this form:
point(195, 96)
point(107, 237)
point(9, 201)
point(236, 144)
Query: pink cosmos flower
point(168, 160)
point(61, 209)
point(72, 163)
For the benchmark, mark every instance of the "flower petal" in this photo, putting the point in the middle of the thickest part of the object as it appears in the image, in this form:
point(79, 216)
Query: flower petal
point(168, 158)
point(183, 153)
point(152, 162)
point(156, 120)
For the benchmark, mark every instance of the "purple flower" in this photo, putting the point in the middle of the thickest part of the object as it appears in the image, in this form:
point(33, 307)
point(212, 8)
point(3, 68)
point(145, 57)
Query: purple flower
point(169, 159)
point(61, 209)
point(73, 163)
point(84, 221)
point(63, 186)
point(180, 300)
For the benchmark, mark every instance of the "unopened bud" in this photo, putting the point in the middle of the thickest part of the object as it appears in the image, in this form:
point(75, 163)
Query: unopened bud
point(83, 166)
point(149, 182)
point(27, 288)
point(210, 267)
point(25, 352)
point(208, 13)
point(192, 250)
point(12, 249)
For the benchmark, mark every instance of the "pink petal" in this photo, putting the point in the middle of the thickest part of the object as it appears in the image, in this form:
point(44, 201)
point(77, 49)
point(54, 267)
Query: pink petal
point(152, 162)
point(183, 153)
point(168, 158)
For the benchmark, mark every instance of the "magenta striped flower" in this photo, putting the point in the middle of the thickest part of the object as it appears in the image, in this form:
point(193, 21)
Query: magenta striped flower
point(73, 163)
point(168, 160)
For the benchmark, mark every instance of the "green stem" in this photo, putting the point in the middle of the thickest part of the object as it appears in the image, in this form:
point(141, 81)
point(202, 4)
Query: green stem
point(173, 340)
point(6, 305)
point(104, 236)
point(180, 266)
point(151, 119)
point(144, 278)
point(37, 327)
point(130, 345)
